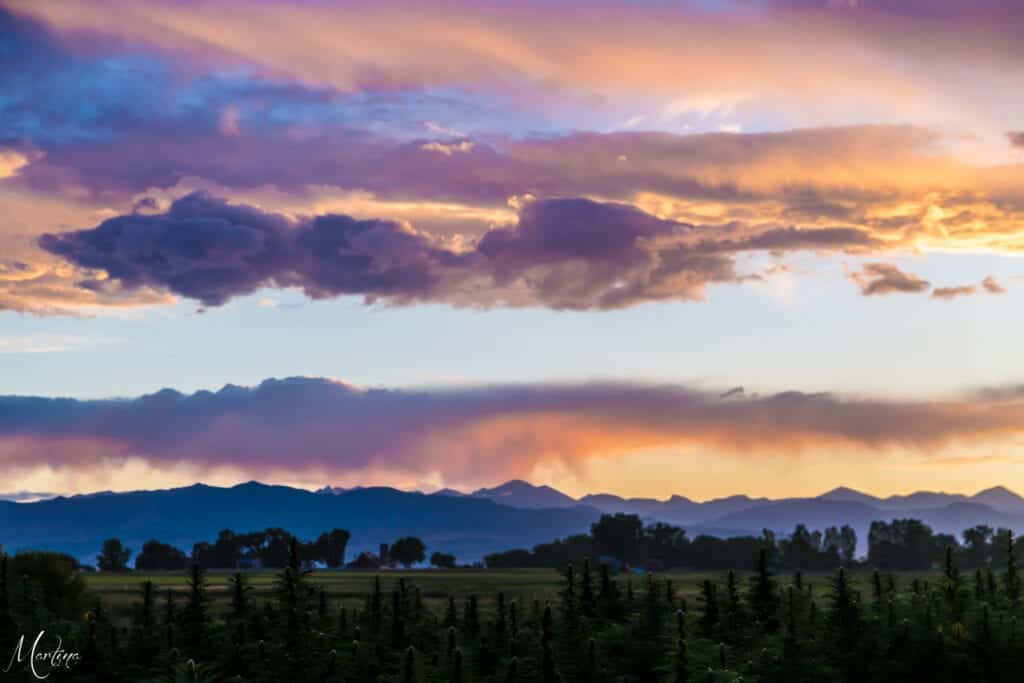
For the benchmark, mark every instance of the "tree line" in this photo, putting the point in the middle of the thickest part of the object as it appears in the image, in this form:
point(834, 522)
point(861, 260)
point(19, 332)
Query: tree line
point(897, 545)
point(268, 548)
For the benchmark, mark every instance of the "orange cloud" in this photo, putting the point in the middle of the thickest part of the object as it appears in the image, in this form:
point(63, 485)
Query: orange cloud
point(993, 286)
point(478, 434)
point(895, 62)
point(885, 278)
point(949, 293)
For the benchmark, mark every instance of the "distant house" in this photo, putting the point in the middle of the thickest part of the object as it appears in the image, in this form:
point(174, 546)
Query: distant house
point(366, 560)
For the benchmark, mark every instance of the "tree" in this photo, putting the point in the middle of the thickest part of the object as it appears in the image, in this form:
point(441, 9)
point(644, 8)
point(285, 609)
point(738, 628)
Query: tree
point(330, 547)
point(408, 551)
point(1011, 579)
point(114, 557)
point(800, 550)
point(617, 535)
point(272, 546)
point(977, 546)
point(157, 556)
point(763, 598)
point(903, 544)
point(443, 560)
point(847, 543)
point(53, 577)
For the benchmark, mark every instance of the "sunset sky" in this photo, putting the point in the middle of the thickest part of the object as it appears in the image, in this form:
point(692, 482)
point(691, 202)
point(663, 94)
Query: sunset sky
point(703, 248)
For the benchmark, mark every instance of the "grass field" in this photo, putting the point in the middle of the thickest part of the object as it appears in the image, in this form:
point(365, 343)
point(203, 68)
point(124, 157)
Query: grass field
point(350, 587)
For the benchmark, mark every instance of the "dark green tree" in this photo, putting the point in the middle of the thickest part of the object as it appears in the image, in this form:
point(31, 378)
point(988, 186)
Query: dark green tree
point(408, 551)
point(113, 557)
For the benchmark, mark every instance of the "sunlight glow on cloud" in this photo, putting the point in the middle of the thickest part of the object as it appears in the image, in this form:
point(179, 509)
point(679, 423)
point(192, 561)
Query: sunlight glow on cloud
point(301, 429)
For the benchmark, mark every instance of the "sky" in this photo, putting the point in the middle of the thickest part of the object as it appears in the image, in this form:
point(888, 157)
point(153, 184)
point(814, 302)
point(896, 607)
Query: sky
point(648, 248)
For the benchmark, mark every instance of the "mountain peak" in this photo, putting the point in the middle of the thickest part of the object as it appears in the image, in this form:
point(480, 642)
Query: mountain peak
point(519, 493)
point(997, 491)
point(998, 496)
point(847, 494)
point(454, 493)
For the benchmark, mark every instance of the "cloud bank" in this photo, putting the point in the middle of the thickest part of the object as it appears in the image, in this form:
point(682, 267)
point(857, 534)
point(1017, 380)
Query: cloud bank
point(567, 253)
point(473, 434)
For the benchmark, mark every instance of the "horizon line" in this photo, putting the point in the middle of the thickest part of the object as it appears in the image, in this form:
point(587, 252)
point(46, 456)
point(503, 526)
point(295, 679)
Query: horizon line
point(24, 497)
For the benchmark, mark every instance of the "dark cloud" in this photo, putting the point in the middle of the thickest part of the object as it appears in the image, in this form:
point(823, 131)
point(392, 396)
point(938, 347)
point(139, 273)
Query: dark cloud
point(482, 432)
point(885, 278)
point(789, 239)
point(1016, 138)
point(563, 253)
point(949, 293)
point(731, 393)
point(209, 250)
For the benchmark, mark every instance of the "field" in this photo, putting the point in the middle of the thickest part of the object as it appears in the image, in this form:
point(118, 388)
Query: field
point(350, 587)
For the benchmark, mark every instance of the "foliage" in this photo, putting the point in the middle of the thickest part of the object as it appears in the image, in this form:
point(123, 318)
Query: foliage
point(442, 560)
point(160, 556)
point(408, 551)
point(114, 557)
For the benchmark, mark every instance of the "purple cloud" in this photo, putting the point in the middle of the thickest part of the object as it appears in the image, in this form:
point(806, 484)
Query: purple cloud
point(314, 423)
point(209, 250)
point(565, 253)
point(885, 278)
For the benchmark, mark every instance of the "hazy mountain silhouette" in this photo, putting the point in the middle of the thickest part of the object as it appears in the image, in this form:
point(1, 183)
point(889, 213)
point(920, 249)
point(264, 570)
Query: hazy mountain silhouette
point(740, 514)
point(467, 527)
point(1000, 498)
point(449, 492)
point(518, 493)
point(470, 525)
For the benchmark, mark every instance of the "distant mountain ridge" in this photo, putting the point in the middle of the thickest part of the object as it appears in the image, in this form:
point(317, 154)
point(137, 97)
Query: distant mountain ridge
point(516, 514)
point(740, 514)
point(468, 527)
point(683, 510)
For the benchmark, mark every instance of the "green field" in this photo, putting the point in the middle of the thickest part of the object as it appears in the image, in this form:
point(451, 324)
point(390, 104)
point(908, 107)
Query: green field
point(350, 587)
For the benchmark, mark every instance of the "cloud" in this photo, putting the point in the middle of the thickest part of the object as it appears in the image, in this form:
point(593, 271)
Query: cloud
point(732, 393)
point(989, 285)
point(950, 10)
point(448, 148)
point(46, 290)
point(949, 293)
point(884, 278)
point(891, 183)
point(478, 434)
point(469, 127)
point(567, 253)
point(12, 161)
point(26, 496)
point(50, 343)
point(993, 286)
point(1016, 138)
point(645, 47)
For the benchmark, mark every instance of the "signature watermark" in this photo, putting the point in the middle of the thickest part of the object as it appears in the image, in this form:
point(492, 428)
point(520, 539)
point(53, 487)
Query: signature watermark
point(42, 661)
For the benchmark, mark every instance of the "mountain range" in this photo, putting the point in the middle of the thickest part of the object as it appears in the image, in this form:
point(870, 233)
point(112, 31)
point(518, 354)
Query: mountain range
point(472, 524)
point(684, 511)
